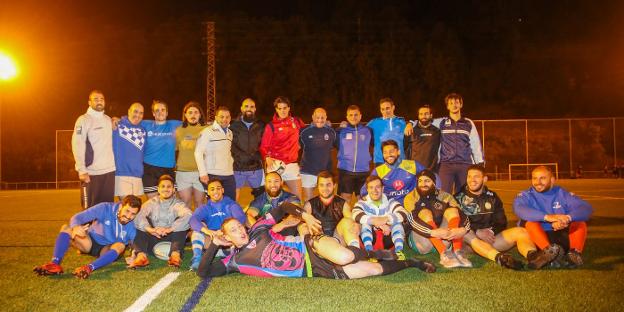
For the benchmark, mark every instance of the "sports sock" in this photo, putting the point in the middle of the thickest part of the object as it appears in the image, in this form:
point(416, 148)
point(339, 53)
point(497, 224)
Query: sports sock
point(398, 234)
point(367, 236)
point(104, 260)
point(484, 249)
point(60, 247)
point(437, 243)
point(578, 234)
point(392, 266)
point(358, 254)
point(453, 223)
point(197, 243)
point(537, 234)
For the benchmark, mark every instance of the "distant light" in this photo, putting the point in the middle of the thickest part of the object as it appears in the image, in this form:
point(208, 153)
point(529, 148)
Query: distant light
point(520, 19)
point(8, 70)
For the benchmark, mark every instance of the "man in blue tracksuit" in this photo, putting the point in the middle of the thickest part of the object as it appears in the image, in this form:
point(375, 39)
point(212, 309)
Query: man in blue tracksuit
point(387, 127)
point(128, 146)
point(111, 229)
point(207, 219)
point(460, 145)
point(354, 156)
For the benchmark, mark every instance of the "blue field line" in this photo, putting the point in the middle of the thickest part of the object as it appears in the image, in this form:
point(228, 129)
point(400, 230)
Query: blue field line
point(199, 291)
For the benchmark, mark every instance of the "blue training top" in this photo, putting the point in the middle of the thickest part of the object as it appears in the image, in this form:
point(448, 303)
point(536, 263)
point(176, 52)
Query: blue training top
point(161, 143)
point(128, 145)
point(316, 144)
point(213, 214)
point(106, 228)
point(387, 129)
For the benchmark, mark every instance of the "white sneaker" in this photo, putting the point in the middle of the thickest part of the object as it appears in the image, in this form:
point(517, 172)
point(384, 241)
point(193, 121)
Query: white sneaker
point(448, 260)
point(459, 255)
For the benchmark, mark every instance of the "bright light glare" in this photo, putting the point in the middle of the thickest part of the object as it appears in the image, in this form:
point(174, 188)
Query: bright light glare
point(8, 70)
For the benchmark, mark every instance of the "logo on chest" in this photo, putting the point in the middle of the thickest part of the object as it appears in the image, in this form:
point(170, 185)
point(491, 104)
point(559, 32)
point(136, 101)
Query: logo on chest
point(398, 185)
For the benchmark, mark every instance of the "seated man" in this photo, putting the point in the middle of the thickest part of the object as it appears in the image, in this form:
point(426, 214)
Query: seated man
point(437, 221)
point(376, 211)
point(207, 220)
point(488, 235)
point(333, 212)
point(397, 175)
point(272, 197)
point(555, 219)
point(163, 218)
point(111, 230)
point(262, 252)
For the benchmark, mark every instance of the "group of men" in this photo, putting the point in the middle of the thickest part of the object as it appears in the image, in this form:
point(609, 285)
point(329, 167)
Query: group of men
point(292, 232)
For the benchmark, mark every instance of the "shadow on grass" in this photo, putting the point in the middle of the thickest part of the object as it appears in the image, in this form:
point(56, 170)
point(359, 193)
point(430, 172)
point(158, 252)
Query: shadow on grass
point(605, 221)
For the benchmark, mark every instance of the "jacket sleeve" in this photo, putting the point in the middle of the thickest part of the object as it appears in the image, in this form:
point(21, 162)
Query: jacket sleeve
point(89, 215)
point(183, 217)
point(200, 145)
point(237, 212)
point(475, 145)
point(579, 210)
point(419, 226)
point(359, 215)
point(499, 220)
point(265, 143)
point(79, 143)
point(522, 208)
point(399, 214)
point(140, 222)
point(196, 219)
point(209, 266)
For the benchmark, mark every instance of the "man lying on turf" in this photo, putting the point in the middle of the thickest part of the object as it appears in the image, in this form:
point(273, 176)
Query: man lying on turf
point(262, 252)
point(163, 218)
point(437, 222)
point(111, 230)
point(555, 220)
point(488, 235)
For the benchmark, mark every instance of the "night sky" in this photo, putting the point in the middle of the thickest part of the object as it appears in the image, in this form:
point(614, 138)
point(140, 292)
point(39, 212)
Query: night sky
point(510, 59)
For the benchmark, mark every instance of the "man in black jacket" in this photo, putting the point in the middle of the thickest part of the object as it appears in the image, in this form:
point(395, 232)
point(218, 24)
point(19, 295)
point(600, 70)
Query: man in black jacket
point(488, 235)
point(423, 143)
point(247, 132)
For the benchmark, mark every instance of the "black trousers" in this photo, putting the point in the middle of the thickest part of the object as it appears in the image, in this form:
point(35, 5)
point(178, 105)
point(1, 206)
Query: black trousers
point(144, 242)
point(101, 189)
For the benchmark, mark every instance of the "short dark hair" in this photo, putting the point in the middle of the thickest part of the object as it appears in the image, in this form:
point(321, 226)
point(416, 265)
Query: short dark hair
point(131, 200)
point(222, 108)
point(281, 99)
point(155, 101)
point(325, 175)
point(372, 178)
point(274, 172)
point(476, 167)
point(389, 143)
point(386, 99)
point(354, 107)
point(453, 96)
point(95, 91)
point(166, 177)
point(427, 106)
point(213, 181)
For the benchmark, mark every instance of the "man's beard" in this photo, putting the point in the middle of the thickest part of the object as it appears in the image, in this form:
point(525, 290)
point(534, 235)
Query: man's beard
point(249, 116)
point(425, 122)
point(273, 194)
point(424, 193)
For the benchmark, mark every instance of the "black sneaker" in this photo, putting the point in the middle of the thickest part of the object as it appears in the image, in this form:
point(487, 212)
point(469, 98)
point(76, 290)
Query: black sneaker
point(574, 259)
point(539, 259)
point(382, 254)
point(424, 266)
point(507, 261)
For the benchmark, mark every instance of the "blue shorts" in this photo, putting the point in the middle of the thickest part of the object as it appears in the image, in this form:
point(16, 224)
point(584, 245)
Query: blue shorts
point(253, 179)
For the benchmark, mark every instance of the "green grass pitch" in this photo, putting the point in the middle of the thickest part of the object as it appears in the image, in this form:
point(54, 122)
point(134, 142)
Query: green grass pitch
point(30, 221)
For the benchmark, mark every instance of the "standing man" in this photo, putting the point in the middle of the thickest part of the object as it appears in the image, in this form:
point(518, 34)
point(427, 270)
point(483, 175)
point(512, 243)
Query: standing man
point(398, 175)
point(555, 219)
point(190, 189)
point(354, 156)
point(317, 141)
point(213, 153)
point(489, 236)
point(423, 143)
point(160, 146)
point(387, 127)
point(128, 144)
point(460, 145)
point(111, 229)
point(280, 142)
point(92, 146)
point(246, 136)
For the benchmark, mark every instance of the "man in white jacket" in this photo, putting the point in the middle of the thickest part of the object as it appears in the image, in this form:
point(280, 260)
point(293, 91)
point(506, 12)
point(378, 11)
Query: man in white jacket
point(92, 146)
point(213, 152)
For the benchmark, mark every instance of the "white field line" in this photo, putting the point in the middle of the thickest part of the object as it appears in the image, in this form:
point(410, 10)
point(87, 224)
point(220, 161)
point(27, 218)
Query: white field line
point(586, 196)
point(142, 302)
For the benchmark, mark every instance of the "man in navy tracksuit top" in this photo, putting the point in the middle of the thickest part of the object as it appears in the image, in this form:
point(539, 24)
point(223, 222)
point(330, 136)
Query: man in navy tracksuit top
point(354, 156)
point(423, 144)
point(460, 145)
point(111, 229)
point(128, 146)
point(317, 141)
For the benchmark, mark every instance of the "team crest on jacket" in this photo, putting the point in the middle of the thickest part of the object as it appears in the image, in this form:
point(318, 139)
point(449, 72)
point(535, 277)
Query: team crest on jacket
point(398, 185)
point(326, 137)
point(437, 206)
point(488, 206)
point(556, 205)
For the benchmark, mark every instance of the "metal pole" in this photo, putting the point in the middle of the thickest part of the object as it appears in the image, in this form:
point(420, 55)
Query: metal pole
point(483, 138)
point(526, 144)
point(570, 144)
point(56, 159)
point(614, 145)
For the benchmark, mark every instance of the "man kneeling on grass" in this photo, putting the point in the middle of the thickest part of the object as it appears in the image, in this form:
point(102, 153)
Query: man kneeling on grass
point(163, 218)
point(262, 252)
point(111, 230)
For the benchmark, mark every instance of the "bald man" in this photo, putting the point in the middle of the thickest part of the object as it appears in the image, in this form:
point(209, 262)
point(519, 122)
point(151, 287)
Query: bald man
point(555, 219)
point(128, 146)
point(317, 141)
point(247, 130)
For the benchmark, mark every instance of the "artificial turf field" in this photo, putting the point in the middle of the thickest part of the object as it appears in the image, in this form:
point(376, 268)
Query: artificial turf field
point(30, 220)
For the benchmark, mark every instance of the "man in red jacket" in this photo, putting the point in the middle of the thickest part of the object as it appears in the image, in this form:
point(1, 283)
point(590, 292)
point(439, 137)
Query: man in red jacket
point(280, 142)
